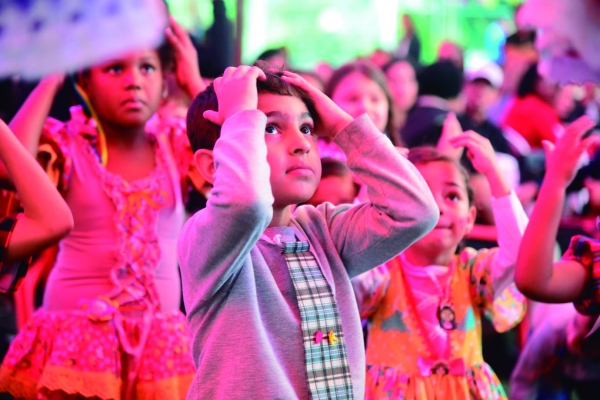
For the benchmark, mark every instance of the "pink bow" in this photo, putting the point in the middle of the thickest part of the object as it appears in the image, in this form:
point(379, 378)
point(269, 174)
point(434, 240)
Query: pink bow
point(428, 367)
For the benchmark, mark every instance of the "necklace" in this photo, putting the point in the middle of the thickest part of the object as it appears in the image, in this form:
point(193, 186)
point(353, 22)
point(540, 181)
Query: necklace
point(445, 312)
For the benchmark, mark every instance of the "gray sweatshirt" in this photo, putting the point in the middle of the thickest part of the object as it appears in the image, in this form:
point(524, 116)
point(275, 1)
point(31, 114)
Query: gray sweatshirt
point(240, 299)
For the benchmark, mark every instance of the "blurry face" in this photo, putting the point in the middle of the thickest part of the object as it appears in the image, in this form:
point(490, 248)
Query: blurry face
point(356, 94)
point(547, 90)
point(291, 149)
point(334, 189)
point(448, 187)
point(126, 91)
point(403, 85)
point(479, 95)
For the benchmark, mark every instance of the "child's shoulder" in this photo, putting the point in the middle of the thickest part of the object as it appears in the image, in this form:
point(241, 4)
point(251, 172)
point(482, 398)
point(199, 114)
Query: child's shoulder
point(58, 131)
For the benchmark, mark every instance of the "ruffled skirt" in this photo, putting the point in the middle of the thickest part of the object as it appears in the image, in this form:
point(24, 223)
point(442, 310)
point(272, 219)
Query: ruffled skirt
point(478, 383)
point(65, 352)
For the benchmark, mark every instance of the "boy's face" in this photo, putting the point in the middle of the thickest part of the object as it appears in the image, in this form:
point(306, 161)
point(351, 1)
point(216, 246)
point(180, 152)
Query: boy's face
point(291, 149)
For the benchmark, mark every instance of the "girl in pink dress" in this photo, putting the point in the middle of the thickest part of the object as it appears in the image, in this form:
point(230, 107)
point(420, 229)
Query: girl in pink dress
point(45, 220)
point(110, 325)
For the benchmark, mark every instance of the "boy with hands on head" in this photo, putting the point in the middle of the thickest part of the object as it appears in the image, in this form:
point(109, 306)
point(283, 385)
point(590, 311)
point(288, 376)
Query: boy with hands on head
point(268, 290)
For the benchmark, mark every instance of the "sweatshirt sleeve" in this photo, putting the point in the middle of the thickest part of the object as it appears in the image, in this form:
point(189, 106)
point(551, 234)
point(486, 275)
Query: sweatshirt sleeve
point(214, 243)
point(492, 270)
point(511, 222)
point(401, 208)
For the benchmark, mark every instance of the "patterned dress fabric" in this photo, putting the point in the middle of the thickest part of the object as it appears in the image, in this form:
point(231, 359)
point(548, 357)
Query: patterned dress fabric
point(402, 362)
point(109, 327)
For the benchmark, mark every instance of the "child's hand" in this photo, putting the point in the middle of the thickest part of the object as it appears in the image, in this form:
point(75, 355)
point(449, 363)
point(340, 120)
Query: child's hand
point(450, 129)
point(562, 158)
point(236, 91)
point(479, 151)
point(483, 157)
point(187, 71)
point(331, 118)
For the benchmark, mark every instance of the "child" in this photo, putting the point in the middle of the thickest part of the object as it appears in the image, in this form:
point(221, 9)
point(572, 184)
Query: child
point(357, 88)
point(268, 291)
point(425, 306)
point(110, 325)
point(46, 217)
point(336, 186)
point(573, 277)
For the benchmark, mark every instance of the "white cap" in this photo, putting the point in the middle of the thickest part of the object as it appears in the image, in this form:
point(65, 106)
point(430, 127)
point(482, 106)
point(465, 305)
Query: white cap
point(491, 72)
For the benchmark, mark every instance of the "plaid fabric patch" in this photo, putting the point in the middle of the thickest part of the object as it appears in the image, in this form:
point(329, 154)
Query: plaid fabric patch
point(327, 369)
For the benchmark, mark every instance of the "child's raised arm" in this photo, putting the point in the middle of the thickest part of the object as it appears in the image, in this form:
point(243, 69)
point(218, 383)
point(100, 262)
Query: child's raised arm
point(46, 216)
point(536, 275)
point(29, 121)
point(187, 70)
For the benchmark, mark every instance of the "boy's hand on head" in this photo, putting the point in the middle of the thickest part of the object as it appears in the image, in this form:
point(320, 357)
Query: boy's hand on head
point(187, 70)
point(236, 91)
point(450, 129)
point(562, 158)
point(331, 118)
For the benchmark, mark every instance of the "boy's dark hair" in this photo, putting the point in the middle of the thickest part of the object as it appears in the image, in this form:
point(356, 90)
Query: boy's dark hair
point(203, 134)
point(426, 154)
point(332, 167)
point(374, 73)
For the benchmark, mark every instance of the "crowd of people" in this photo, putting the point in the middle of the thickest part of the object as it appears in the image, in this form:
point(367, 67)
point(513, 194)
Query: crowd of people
point(264, 232)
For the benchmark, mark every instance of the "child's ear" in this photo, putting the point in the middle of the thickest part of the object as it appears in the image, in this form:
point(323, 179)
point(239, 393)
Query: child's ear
point(471, 218)
point(205, 164)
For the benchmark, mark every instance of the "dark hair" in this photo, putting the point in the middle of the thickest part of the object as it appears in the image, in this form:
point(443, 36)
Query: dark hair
point(442, 78)
point(203, 134)
point(372, 72)
point(426, 154)
point(265, 55)
point(166, 54)
point(333, 167)
point(528, 82)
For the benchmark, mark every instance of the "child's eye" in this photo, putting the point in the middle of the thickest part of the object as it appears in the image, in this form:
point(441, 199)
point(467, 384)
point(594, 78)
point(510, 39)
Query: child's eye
point(454, 197)
point(307, 129)
point(271, 129)
point(148, 68)
point(114, 69)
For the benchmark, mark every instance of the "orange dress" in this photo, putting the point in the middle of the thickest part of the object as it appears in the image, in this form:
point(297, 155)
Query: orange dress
point(402, 363)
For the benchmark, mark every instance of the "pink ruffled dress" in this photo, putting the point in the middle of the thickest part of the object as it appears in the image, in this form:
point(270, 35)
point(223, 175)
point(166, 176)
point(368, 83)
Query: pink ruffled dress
point(110, 325)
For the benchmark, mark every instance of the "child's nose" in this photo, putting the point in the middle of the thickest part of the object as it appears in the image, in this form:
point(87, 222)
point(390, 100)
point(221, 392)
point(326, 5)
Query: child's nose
point(300, 143)
point(132, 78)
